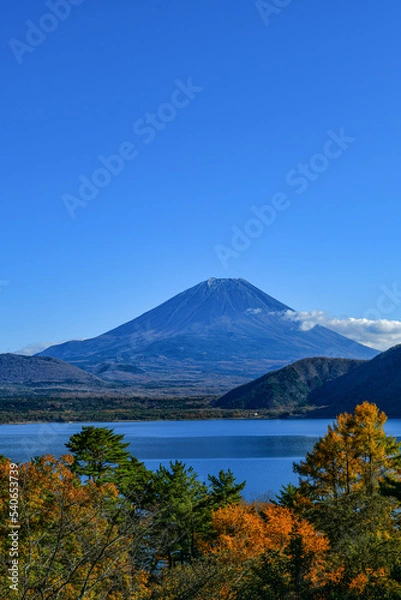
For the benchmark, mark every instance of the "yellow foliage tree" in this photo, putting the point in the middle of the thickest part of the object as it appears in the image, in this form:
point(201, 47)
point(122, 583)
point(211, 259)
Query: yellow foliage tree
point(75, 538)
point(355, 454)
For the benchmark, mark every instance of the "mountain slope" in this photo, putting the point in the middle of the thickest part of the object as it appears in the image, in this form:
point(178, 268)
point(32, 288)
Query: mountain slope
point(378, 381)
point(287, 388)
point(220, 333)
point(36, 371)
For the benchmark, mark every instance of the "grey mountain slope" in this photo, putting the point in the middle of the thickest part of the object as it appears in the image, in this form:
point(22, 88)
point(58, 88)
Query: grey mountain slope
point(219, 333)
point(378, 381)
point(287, 388)
point(16, 369)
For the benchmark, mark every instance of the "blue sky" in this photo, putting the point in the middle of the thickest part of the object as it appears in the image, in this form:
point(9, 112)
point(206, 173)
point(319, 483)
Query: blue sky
point(245, 99)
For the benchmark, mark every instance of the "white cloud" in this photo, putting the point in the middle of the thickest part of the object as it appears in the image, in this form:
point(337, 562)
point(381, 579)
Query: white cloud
point(381, 333)
point(35, 348)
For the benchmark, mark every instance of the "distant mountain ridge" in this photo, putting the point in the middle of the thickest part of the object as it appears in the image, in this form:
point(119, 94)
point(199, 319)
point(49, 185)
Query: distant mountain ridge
point(327, 387)
point(36, 371)
point(217, 334)
point(288, 388)
point(378, 381)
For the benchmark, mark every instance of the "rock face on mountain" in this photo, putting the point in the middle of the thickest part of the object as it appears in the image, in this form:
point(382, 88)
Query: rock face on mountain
point(288, 388)
point(217, 334)
point(32, 371)
point(378, 381)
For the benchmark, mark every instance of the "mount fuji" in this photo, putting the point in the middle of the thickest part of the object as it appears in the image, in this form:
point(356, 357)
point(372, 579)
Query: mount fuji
point(217, 334)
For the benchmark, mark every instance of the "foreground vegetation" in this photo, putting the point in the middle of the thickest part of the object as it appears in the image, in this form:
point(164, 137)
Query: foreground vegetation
point(97, 524)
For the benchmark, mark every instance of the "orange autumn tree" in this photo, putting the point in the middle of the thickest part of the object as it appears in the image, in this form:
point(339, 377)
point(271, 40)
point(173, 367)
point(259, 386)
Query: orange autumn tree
point(246, 533)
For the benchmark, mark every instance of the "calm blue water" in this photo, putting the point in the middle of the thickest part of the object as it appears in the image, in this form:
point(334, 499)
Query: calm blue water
point(260, 452)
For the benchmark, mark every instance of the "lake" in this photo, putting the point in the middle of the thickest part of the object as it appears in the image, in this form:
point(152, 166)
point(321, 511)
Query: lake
point(258, 451)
